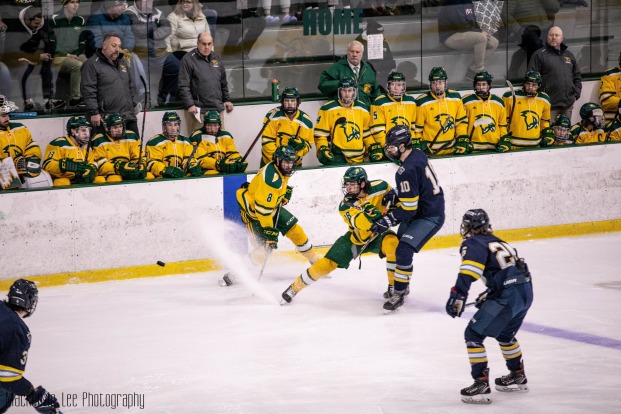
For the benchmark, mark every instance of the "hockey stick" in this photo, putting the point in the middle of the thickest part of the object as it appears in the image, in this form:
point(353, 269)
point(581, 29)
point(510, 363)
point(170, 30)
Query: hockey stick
point(512, 104)
point(269, 249)
point(270, 116)
point(144, 118)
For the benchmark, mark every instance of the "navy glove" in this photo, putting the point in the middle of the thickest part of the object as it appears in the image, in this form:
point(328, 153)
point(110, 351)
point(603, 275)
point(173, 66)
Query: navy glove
point(43, 401)
point(383, 224)
point(390, 197)
point(455, 304)
point(478, 302)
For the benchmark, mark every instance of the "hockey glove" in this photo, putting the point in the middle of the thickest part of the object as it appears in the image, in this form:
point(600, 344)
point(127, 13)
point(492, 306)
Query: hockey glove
point(504, 145)
point(270, 235)
point(129, 170)
point(421, 145)
point(547, 137)
point(325, 156)
point(478, 302)
point(68, 165)
point(28, 166)
point(390, 198)
point(383, 224)
point(296, 143)
point(194, 168)
point(463, 145)
point(237, 165)
point(43, 401)
point(88, 175)
point(455, 304)
point(376, 152)
point(287, 197)
point(371, 212)
point(172, 172)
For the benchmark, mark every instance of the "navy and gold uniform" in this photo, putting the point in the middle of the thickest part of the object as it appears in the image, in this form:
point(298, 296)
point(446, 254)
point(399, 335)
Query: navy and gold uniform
point(388, 112)
point(107, 151)
point(14, 345)
point(281, 129)
point(530, 117)
point(447, 114)
point(485, 137)
point(209, 153)
point(162, 152)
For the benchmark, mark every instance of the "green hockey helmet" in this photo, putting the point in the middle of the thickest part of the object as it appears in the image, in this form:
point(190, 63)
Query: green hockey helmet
point(75, 122)
point(114, 119)
point(347, 83)
point(171, 116)
point(357, 176)
point(290, 93)
point(482, 76)
point(437, 73)
point(396, 78)
point(592, 114)
point(562, 121)
point(561, 126)
point(212, 117)
point(533, 76)
point(284, 159)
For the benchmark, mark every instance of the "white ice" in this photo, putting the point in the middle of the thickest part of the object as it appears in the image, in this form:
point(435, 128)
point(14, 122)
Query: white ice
point(191, 346)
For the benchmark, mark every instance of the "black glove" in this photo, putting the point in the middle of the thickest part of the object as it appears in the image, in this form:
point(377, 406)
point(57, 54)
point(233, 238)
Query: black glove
point(383, 224)
point(172, 172)
point(68, 165)
point(43, 401)
point(391, 198)
point(325, 156)
point(287, 197)
point(296, 143)
point(87, 175)
point(481, 298)
point(270, 235)
point(455, 304)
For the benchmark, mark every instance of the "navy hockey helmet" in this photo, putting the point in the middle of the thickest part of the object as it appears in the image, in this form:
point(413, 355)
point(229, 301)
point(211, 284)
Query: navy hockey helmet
point(290, 93)
point(23, 295)
point(114, 119)
point(285, 158)
point(6, 106)
point(437, 73)
point(475, 221)
point(396, 136)
point(397, 78)
point(358, 176)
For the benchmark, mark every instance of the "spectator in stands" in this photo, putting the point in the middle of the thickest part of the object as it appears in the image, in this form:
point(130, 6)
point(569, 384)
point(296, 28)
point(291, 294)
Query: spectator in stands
point(351, 66)
point(441, 123)
point(487, 117)
point(151, 30)
point(610, 93)
point(215, 150)
point(590, 129)
point(560, 73)
point(287, 125)
point(528, 112)
point(202, 81)
point(68, 41)
point(343, 129)
point(459, 30)
point(285, 6)
point(186, 22)
point(116, 152)
point(169, 153)
point(65, 157)
point(106, 85)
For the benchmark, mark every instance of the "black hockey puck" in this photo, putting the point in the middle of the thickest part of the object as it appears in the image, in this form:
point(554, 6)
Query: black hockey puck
point(159, 263)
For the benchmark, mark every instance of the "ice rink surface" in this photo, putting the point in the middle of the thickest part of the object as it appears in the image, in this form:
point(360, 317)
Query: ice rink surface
point(189, 346)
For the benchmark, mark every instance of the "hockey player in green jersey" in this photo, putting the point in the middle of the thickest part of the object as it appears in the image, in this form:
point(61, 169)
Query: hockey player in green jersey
point(590, 129)
point(168, 152)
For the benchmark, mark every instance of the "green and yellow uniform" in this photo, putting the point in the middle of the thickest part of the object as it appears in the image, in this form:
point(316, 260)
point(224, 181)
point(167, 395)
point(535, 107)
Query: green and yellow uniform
point(281, 129)
point(209, 152)
point(582, 135)
point(388, 112)
point(59, 148)
point(531, 116)
point(107, 151)
point(446, 114)
point(16, 142)
point(485, 137)
point(610, 93)
point(162, 152)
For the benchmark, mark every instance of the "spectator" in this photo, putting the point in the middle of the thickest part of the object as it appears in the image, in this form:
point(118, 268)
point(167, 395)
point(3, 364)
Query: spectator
point(169, 153)
point(560, 74)
point(590, 129)
point(285, 6)
point(483, 106)
point(342, 133)
point(186, 22)
point(65, 157)
point(351, 66)
point(288, 125)
point(151, 30)
point(116, 152)
point(106, 86)
point(610, 92)
point(441, 123)
point(459, 30)
point(202, 81)
point(216, 152)
point(528, 112)
point(68, 41)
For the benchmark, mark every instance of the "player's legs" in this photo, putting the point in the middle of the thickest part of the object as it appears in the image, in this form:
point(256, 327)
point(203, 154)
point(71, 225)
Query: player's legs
point(61, 182)
point(389, 250)
point(478, 392)
point(289, 227)
point(6, 399)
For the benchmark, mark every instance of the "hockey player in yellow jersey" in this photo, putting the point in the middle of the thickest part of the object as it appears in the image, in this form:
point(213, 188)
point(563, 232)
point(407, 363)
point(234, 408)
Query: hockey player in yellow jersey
point(558, 133)
point(590, 129)
point(395, 107)
point(16, 143)
point(116, 152)
point(489, 110)
point(261, 205)
point(343, 128)
point(168, 153)
point(365, 201)
point(528, 112)
point(610, 92)
point(287, 125)
point(216, 152)
point(65, 157)
point(440, 116)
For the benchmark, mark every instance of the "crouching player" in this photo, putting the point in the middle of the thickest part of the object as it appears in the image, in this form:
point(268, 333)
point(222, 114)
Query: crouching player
point(502, 307)
point(261, 207)
point(365, 201)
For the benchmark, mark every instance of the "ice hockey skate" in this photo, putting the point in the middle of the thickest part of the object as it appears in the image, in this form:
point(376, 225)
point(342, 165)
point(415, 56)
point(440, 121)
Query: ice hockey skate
point(227, 280)
point(288, 295)
point(515, 381)
point(391, 290)
point(479, 392)
point(394, 302)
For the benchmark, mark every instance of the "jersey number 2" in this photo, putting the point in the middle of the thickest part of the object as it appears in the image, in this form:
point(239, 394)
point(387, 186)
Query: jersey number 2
point(505, 254)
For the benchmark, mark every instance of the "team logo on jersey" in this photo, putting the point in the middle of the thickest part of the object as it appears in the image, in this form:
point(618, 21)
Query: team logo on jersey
point(531, 119)
point(367, 88)
point(491, 127)
point(399, 120)
point(215, 63)
point(350, 130)
point(173, 160)
point(446, 122)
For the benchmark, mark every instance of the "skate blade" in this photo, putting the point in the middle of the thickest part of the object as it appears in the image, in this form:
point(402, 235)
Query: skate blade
point(476, 399)
point(390, 312)
point(512, 388)
point(284, 302)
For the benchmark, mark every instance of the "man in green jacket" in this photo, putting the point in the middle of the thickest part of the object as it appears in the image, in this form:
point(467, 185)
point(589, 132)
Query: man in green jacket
point(351, 66)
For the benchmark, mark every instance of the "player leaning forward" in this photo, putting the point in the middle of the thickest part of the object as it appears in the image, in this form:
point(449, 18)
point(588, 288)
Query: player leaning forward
point(502, 307)
point(261, 207)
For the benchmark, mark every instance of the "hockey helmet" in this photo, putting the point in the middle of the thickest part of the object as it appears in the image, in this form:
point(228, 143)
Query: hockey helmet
point(171, 116)
point(23, 295)
point(285, 158)
point(212, 117)
point(347, 83)
point(396, 78)
point(6, 106)
point(397, 135)
point(592, 114)
point(114, 119)
point(77, 122)
point(482, 76)
point(561, 126)
point(475, 221)
point(533, 76)
point(290, 93)
point(171, 124)
point(357, 176)
point(437, 73)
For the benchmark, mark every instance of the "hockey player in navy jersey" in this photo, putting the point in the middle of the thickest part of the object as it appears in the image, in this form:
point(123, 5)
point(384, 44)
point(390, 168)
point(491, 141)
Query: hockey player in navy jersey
point(502, 307)
point(421, 212)
point(14, 345)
